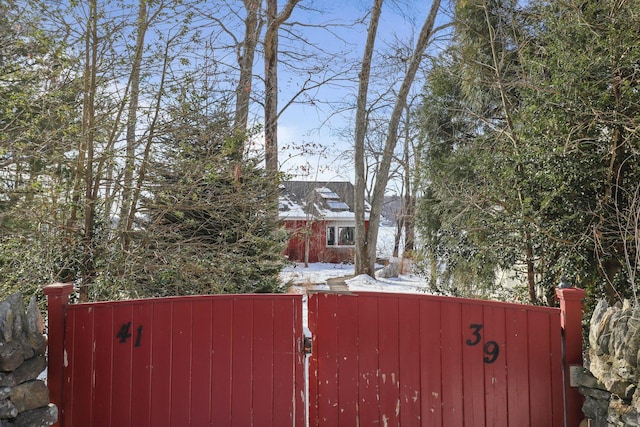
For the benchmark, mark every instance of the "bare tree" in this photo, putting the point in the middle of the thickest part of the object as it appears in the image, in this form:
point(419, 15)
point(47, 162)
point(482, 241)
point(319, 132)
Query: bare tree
point(274, 20)
point(246, 54)
point(366, 237)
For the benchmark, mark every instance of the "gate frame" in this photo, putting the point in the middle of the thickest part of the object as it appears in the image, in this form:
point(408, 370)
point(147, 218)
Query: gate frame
point(570, 317)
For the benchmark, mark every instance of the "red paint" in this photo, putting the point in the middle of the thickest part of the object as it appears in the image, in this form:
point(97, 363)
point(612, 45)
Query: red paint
point(377, 359)
point(190, 361)
point(409, 363)
point(57, 299)
point(318, 249)
point(420, 362)
point(571, 320)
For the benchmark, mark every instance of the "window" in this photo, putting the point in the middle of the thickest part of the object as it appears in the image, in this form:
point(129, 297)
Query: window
point(345, 236)
point(325, 193)
point(338, 205)
point(331, 236)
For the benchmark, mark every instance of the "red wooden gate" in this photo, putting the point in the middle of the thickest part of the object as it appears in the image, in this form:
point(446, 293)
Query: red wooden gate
point(190, 361)
point(412, 360)
point(378, 359)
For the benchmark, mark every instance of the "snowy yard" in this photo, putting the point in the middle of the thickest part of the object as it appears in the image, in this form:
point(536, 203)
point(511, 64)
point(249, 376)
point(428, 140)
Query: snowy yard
point(316, 275)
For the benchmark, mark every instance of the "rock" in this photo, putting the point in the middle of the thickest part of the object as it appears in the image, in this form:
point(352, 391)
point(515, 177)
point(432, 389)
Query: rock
point(30, 395)
point(40, 417)
point(6, 322)
point(17, 307)
point(594, 408)
point(618, 328)
point(11, 355)
point(7, 409)
point(29, 370)
point(390, 270)
point(632, 339)
point(596, 323)
point(34, 322)
point(623, 370)
point(581, 377)
point(603, 332)
point(596, 393)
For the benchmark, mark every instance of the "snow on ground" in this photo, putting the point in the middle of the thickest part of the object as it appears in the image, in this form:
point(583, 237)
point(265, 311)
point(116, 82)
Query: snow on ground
point(302, 279)
point(315, 277)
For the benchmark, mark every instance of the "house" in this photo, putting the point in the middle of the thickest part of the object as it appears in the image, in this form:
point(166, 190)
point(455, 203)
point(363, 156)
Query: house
point(320, 219)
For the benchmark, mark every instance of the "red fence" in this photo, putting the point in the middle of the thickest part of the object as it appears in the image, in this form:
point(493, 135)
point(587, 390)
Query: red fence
point(378, 359)
point(190, 361)
point(386, 359)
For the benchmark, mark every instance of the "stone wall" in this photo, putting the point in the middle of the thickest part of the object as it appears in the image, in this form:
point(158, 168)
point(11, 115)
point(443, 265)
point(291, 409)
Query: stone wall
point(24, 399)
point(610, 377)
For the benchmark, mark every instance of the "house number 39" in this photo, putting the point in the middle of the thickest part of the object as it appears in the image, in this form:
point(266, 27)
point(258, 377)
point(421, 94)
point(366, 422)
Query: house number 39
point(491, 348)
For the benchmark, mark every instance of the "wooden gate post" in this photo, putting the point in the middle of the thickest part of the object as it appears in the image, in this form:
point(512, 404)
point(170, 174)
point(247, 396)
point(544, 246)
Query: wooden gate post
point(57, 298)
point(571, 323)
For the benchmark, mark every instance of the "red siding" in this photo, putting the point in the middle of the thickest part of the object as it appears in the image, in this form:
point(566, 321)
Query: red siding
point(318, 249)
point(190, 361)
point(413, 360)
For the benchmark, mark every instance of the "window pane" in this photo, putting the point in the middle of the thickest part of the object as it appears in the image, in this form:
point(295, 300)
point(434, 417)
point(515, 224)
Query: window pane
point(331, 236)
point(346, 236)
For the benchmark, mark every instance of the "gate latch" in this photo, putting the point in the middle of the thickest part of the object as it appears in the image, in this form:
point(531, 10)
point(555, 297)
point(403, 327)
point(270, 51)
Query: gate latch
point(306, 345)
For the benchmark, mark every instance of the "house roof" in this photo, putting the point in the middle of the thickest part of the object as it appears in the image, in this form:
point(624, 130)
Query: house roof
point(330, 200)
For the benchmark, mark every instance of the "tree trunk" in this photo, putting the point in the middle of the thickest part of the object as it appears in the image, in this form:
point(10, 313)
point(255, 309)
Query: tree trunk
point(408, 202)
point(88, 135)
point(361, 249)
point(382, 177)
point(274, 20)
point(531, 279)
point(130, 156)
point(252, 30)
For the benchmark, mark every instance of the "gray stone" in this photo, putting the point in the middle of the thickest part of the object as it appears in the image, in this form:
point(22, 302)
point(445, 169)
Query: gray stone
point(5, 392)
point(622, 414)
point(40, 417)
point(632, 339)
point(623, 370)
point(33, 318)
point(619, 327)
point(390, 270)
point(6, 322)
point(30, 395)
point(596, 393)
point(581, 377)
point(603, 332)
point(29, 370)
point(11, 355)
point(595, 408)
point(596, 323)
point(599, 366)
point(17, 306)
point(7, 409)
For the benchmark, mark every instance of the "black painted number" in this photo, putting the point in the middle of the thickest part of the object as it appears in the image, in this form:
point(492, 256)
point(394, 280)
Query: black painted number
point(492, 351)
point(476, 328)
point(125, 333)
point(138, 336)
point(491, 348)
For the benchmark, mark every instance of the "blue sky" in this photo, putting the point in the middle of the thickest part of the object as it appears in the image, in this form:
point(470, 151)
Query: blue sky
point(318, 121)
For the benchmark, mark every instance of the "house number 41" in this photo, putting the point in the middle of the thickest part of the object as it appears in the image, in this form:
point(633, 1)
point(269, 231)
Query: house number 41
point(491, 348)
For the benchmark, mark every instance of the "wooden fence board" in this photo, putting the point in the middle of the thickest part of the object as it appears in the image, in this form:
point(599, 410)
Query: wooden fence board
point(191, 361)
point(435, 361)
